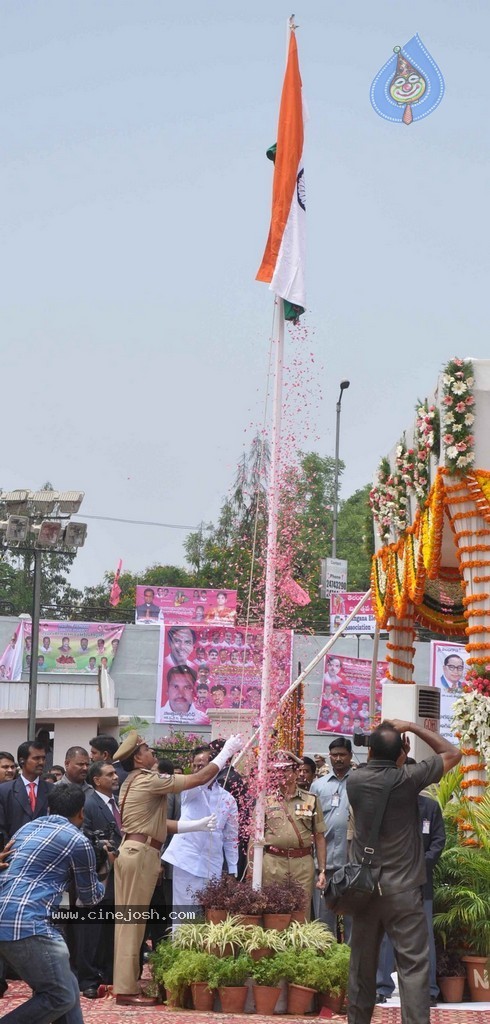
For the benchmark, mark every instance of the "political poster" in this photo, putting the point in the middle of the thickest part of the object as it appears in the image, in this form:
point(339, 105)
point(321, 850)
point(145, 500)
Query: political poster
point(447, 671)
point(155, 605)
point(72, 647)
point(341, 606)
point(344, 702)
point(215, 667)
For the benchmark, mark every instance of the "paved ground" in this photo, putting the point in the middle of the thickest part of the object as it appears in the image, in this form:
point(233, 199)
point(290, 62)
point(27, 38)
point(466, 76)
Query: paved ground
point(105, 1011)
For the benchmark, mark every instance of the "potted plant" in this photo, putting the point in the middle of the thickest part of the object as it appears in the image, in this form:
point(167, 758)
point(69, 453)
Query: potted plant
point(163, 961)
point(191, 936)
point(260, 942)
point(310, 935)
point(276, 908)
point(198, 968)
point(333, 976)
point(451, 975)
point(462, 890)
point(226, 938)
point(301, 973)
point(246, 902)
point(215, 896)
point(229, 976)
point(266, 975)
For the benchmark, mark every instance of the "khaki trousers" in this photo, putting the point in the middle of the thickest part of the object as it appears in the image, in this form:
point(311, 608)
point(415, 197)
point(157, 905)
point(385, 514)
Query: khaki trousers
point(135, 871)
point(302, 869)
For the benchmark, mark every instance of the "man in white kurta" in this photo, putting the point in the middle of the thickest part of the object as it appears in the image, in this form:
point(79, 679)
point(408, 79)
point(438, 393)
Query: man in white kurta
point(198, 857)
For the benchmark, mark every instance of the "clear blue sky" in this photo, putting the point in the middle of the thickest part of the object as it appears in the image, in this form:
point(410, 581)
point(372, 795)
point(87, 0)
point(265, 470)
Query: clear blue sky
point(136, 200)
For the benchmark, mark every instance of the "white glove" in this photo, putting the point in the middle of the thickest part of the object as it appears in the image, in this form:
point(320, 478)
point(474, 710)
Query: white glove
point(232, 746)
point(198, 824)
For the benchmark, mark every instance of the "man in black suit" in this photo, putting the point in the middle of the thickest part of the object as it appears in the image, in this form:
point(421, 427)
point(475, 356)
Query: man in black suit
point(26, 797)
point(95, 946)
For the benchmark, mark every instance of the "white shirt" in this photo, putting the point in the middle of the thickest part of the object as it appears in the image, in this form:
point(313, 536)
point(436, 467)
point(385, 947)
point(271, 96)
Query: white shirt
point(202, 852)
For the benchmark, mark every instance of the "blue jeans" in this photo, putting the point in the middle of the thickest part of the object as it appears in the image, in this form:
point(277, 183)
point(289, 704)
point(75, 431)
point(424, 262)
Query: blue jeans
point(44, 964)
point(386, 964)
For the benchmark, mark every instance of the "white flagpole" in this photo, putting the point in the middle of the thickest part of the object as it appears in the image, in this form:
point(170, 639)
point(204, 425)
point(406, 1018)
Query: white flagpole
point(269, 605)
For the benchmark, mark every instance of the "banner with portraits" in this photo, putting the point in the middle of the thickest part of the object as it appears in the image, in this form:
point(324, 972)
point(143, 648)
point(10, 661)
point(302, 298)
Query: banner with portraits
point(215, 667)
point(448, 664)
point(155, 605)
point(64, 647)
point(344, 702)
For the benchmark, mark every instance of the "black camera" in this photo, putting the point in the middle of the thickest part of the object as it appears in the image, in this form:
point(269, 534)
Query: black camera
point(362, 739)
point(102, 840)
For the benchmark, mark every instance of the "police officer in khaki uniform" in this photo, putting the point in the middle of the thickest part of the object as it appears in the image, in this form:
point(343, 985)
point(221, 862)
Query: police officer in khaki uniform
point(143, 809)
point(294, 829)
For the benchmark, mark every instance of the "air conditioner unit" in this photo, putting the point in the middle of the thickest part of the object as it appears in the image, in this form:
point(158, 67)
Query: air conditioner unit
point(412, 702)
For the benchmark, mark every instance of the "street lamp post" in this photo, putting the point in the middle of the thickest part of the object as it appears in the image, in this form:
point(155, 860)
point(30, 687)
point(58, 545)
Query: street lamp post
point(344, 384)
point(27, 513)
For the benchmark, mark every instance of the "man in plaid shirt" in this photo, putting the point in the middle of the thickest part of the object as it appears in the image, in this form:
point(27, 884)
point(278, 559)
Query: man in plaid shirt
point(47, 853)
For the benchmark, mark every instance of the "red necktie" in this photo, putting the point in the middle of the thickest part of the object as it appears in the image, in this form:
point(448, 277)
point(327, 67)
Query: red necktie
point(32, 795)
point(115, 810)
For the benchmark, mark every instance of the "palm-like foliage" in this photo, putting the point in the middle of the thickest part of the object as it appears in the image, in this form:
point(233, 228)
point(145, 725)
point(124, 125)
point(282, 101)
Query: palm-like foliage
point(462, 879)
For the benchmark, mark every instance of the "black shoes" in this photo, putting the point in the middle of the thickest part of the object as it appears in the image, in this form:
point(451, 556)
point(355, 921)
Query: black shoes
point(380, 998)
point(91, 993)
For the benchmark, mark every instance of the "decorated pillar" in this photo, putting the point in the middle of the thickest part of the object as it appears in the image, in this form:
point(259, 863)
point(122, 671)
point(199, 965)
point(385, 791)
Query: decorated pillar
point(400, 646)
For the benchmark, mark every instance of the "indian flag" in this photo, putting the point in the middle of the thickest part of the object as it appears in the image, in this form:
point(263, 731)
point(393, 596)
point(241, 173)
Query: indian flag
point(283, 262)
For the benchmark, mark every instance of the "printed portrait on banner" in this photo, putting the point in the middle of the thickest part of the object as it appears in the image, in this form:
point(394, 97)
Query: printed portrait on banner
point(448, 670)
point(155, 605)
point(213, 667)
point(344, 702)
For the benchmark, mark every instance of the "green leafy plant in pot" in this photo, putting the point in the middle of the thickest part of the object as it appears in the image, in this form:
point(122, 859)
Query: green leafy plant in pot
point(266, 976)
point(199, 968)
point(301, 971)
point(166, 965)
point(229, 976)
point(462, 890)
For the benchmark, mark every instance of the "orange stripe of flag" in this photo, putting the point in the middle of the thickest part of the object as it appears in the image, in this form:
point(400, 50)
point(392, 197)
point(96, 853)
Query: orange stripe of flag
point(288, 154)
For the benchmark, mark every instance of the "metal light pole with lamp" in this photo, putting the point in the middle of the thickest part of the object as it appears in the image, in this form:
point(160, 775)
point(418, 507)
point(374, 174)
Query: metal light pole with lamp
point(26, 514)
point(344, 384)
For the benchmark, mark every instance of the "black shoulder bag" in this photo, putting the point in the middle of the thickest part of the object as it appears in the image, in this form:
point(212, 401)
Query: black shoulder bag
point(352, 886)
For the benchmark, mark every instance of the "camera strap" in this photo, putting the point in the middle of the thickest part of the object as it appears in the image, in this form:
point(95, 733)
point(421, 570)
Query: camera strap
point(372, 840)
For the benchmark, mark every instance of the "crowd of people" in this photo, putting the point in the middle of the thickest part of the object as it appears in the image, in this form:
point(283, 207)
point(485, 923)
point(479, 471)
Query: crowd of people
point(119, 833)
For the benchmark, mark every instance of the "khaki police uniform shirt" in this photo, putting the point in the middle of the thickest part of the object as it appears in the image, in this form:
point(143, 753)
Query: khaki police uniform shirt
point(305, 811)
point(144, 809)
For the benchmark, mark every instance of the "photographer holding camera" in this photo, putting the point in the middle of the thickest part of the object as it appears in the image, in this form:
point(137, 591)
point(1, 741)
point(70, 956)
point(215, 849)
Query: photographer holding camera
point(399, 863)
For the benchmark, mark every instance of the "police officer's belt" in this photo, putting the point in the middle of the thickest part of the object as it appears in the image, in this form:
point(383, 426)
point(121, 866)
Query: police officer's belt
point(140, 837)
point(305, 852)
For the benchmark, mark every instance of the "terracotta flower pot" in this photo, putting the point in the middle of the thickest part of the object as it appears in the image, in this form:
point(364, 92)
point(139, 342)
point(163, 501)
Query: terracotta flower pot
point(452, 988)
point(278, 922)
point(258, 954)
point(299, 999)
point(253, 919)
point(233, 998)
point(477, 978)
point(202, 996)
point(265, 998)
point(215, 916)
point(299, 916)
point(334, 1003)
